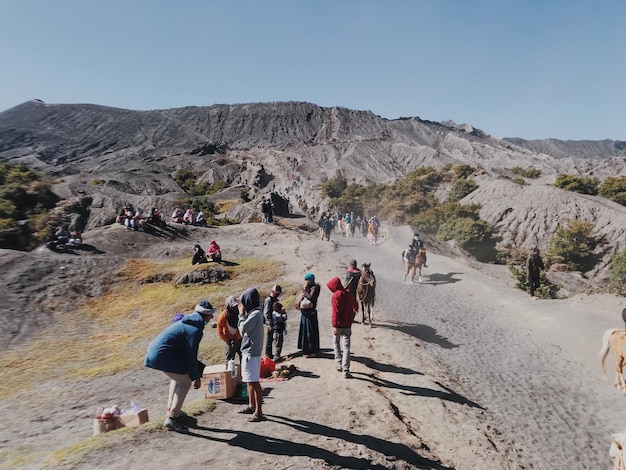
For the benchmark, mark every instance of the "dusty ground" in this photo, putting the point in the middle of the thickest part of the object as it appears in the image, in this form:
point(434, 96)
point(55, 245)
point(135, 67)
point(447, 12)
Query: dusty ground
point(460, 372)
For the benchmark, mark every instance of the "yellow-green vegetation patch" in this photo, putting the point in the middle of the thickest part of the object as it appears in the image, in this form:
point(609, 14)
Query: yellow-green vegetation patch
point(110, 334)
point(19, 457)
point(76, 453)
point(224, 205)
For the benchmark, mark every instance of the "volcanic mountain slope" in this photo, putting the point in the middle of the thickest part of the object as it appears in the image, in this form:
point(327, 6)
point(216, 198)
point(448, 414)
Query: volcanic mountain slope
point(134, 154)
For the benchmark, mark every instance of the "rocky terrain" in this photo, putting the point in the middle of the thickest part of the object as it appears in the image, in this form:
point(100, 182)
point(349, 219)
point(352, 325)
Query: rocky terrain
point(107, 157)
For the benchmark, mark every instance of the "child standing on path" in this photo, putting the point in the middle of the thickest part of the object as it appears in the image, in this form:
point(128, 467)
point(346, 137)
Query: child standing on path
point(279, 327)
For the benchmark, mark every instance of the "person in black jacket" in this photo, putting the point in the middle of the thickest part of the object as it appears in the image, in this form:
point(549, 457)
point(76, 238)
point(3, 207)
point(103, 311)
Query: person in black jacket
point(534, 266)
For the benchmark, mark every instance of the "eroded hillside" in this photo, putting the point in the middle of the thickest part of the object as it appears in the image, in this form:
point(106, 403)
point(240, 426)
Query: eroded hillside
point(133, 155)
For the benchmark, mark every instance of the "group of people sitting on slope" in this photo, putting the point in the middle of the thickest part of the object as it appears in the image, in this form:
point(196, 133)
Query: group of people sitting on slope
point(136, 219)
point(414, 258)
point(188, 217)
point(213, 253)
point(62, 238)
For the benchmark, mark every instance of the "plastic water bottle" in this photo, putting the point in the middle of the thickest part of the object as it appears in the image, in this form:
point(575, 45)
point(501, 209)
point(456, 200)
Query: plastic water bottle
point(244, 390)
point(231, 365)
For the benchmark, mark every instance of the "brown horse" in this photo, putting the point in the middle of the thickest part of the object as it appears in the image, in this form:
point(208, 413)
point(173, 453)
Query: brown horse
point(366, 291)
point(420, 260)
point(616, 339)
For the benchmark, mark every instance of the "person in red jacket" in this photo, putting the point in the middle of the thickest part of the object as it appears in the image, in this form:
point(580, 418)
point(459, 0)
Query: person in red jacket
point(344, 306)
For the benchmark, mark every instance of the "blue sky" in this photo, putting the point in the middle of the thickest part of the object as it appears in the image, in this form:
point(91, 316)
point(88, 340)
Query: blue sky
point(532, 69)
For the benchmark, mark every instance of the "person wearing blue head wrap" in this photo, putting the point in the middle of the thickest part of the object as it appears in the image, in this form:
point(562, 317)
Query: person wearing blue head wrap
point(309, 334)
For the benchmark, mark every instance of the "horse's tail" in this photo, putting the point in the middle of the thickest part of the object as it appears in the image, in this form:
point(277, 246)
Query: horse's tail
point(606, 344)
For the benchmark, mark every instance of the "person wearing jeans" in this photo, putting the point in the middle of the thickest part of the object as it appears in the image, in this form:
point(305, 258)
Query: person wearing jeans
point(175, 352)
point(344, 307)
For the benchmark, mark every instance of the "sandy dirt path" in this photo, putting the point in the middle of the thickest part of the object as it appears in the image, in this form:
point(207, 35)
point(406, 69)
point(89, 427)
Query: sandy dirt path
point(460, 372)
point(533, 365)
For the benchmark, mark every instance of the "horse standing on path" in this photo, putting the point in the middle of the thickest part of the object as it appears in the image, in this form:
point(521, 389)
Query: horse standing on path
point(366, 291)
point(420, 261)
point(616, 452)
point(616, 339)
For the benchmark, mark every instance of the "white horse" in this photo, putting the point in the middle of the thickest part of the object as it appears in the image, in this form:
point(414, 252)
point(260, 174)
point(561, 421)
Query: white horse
point(616, 452)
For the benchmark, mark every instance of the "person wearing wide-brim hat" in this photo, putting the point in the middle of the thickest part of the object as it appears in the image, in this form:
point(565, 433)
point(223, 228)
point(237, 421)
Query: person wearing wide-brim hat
point(175, 352)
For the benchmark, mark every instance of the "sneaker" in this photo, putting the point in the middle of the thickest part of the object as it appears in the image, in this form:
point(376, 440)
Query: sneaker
point(172, 424)
point(347, 374)
point(339, 369)
point(421, 279)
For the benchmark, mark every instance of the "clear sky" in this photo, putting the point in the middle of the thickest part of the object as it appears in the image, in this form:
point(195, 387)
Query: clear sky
point(513, 68)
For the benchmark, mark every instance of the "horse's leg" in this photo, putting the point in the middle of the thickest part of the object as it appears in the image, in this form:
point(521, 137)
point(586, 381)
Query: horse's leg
point(363, 310)
point(619, 363)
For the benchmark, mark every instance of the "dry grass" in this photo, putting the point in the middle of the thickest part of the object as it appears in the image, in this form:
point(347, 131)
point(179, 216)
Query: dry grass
point(110, 334)
point(224, 205)
point(73, 455)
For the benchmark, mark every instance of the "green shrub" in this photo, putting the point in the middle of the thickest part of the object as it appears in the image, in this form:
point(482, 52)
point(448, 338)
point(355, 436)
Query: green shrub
point(546, 290)
point(526, 172)
point(519, 181)
point(25, 196)
point(334, 187)
point(453, 221)
point(463, 171)
point(469, 233)
point(460, 189)
point(614, 188)
point(574, 245)
point(618, 269)
point(186, 179)
point(578, 184)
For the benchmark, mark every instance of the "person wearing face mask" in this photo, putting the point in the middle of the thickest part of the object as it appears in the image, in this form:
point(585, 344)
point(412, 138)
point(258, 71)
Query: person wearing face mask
point(175, 352)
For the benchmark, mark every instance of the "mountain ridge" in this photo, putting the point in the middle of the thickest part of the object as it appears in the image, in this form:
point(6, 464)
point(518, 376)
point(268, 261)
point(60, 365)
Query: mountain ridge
point(136, 153)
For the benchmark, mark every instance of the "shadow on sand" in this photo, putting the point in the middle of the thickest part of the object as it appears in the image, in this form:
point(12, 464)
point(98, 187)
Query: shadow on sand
point(262, 443)
point(422, 332)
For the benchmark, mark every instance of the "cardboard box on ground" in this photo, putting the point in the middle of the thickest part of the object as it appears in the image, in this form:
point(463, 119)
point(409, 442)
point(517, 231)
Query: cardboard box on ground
point(102, 425)
point(219, 383)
